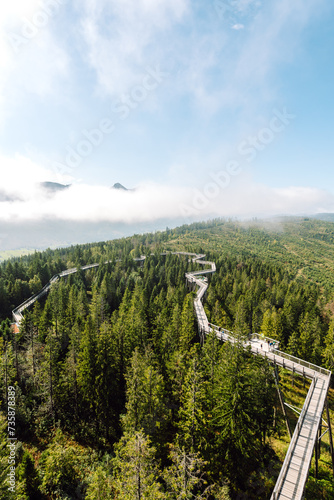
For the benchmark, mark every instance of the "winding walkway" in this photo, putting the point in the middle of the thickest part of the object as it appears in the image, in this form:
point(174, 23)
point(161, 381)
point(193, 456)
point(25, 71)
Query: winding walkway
point(292, 479)
point(291, 482)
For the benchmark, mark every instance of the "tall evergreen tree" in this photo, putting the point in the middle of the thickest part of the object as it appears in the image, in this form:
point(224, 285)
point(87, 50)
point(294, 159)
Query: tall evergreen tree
point(145, 394)
point(135, 472)
point(185, 476)
point(193, 411)
point(187, 330)
point(88, 370)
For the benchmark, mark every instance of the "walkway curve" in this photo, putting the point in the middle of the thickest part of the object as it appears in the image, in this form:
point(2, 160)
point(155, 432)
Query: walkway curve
point(292, 479)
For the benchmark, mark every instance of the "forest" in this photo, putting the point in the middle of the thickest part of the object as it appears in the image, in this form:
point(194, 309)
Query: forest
point(117, 396)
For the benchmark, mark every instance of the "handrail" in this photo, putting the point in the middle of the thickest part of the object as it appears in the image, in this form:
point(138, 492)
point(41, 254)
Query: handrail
point(294, 359)
point(17, 311)
point(286, 463)
point(263, 337)
point(35, 295)
point(302, 362)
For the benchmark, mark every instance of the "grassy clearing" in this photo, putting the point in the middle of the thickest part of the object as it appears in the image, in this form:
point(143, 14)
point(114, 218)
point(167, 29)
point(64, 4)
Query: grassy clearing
point(9, 254)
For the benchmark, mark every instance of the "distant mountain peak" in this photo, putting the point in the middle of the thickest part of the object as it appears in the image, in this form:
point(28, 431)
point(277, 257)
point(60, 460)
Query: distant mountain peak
point(117, 185)
point(53, 186)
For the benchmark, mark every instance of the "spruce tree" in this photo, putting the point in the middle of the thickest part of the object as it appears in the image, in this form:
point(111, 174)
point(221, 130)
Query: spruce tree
point(145, 395)
point(135, 471)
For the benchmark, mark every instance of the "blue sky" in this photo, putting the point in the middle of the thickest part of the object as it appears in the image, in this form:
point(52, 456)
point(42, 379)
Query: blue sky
point(206, 108)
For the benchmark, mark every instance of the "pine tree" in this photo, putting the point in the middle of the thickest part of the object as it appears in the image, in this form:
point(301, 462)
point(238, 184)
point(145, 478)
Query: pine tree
point(267, 325)
point(293, 347)
point(100, 485)
point(192, 413)
point(241, 326)
point(219, 316)
point(277, 323)
point(4, 465)
point(122, 331)
point(328, 354)
point(99, 305)
point(185, 477)
point(145, 405)
point(71, 373)
point(107, 378)
point(211, 360)
point(48, 376)
point(187, 330)
point(262, 393)
point(170, 332)
point(310, 337)
point(137, 323)
point(88, 369)
point(233, 414)
point(7, 366)
point(135, 472)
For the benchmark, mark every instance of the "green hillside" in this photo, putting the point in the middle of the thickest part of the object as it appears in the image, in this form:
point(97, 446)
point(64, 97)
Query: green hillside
point(9, 254)
point(303, 246)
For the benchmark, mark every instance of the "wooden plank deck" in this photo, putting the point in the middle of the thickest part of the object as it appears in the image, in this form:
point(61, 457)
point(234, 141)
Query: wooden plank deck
point(294, 473)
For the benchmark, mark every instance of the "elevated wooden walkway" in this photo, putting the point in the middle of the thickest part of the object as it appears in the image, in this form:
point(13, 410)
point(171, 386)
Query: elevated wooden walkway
point(17, 312)
point(292, 479)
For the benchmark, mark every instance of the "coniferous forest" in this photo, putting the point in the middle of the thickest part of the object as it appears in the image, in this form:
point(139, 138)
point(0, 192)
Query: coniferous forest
point(117, 396)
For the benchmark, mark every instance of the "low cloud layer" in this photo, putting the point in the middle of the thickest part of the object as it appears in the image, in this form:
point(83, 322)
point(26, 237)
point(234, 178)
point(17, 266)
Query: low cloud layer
point(24, 199)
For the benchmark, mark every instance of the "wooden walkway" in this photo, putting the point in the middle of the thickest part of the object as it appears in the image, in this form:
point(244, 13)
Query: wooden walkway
point(17, 312)
point(291, 482)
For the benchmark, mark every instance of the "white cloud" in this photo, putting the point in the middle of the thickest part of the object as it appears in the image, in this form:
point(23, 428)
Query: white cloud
point(149, 201)
point(32, 60)
point(245, 198)
point(20, 174)
point(123, 37)
point(120, 39)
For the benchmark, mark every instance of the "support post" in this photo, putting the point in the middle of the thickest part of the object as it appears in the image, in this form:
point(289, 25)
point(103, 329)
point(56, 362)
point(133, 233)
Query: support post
point(303, 378)
point(316, 449)
point(274, 420)
point(330, 434)
point(280, 395)
point(319, 440)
